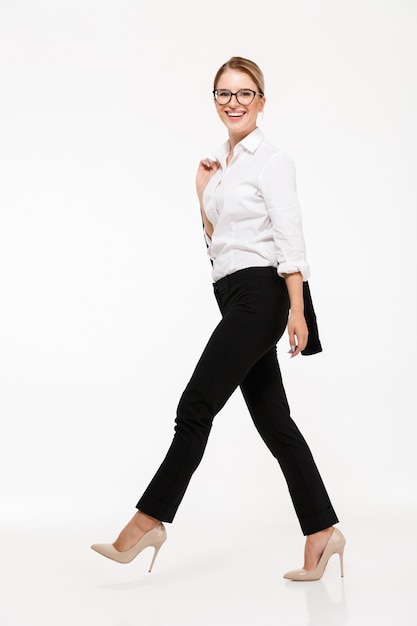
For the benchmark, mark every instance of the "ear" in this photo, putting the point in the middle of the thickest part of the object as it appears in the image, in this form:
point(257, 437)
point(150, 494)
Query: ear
point(261, 103)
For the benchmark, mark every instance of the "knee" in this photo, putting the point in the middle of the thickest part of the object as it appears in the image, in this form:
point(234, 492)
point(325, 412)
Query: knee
point(194, 414)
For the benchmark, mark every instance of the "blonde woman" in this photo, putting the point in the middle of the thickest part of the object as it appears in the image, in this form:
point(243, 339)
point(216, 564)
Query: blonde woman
point(254, 235)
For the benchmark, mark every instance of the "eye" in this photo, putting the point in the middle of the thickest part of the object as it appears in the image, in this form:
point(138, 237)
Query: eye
point(245, 93)
point(223, 93)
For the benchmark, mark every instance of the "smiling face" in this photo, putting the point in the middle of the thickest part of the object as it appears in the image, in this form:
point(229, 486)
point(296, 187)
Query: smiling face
point(240, 120)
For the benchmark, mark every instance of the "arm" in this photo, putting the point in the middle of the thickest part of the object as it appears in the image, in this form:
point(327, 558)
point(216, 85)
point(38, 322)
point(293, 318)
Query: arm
point(297, 327)
point(278, 188)
point(206, 169)
point(279, 192)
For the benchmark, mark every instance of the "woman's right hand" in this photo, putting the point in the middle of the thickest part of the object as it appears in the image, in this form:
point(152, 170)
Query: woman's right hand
point(206, 169)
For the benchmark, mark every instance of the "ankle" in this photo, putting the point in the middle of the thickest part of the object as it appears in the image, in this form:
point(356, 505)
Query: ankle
point(320, 534)
point(144, 522)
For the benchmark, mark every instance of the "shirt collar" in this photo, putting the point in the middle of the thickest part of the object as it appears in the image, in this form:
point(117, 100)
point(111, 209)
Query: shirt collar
point(250, 143)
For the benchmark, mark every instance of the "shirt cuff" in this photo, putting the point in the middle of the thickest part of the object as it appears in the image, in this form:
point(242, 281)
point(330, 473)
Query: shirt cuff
point(289, 267)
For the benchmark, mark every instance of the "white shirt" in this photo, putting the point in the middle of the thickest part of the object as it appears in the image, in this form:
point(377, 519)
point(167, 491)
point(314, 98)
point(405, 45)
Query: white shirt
point(253, 206)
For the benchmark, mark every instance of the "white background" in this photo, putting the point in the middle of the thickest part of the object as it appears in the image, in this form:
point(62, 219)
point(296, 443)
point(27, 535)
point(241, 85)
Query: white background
point(105, 287)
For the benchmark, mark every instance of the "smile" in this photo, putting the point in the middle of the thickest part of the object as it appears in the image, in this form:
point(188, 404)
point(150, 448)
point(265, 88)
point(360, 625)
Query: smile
point(235, 114)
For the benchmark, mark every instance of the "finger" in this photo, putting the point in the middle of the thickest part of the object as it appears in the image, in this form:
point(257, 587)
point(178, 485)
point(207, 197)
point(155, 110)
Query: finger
point(210, 164)
point(207, 164)
point(297, 350)
point(300, 344)
point(293, 343)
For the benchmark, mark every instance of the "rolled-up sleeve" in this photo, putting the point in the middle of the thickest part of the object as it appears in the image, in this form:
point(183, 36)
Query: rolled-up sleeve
point(278, 188)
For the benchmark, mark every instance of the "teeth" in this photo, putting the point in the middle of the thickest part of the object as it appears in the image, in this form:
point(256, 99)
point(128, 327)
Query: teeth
point(234, 114)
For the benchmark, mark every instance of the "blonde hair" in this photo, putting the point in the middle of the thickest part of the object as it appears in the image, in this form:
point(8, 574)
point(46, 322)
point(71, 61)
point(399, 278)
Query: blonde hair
point(247, 67)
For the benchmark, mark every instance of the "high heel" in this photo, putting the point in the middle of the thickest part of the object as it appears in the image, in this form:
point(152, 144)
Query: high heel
point(153, 538)
point(335, 545)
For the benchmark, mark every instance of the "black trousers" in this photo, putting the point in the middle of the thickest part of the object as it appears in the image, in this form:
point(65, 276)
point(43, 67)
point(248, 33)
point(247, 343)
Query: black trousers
point(242, 352)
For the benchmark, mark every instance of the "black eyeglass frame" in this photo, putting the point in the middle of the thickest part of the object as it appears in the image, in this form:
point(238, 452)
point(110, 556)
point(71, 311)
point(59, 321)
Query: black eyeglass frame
point(255, 93)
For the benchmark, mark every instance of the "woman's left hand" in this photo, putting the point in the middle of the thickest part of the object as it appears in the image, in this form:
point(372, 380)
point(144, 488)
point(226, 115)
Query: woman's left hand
point(298, 333)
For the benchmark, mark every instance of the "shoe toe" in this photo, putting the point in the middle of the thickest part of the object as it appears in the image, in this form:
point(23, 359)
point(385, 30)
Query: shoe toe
point(300, 574)
point(295, 574)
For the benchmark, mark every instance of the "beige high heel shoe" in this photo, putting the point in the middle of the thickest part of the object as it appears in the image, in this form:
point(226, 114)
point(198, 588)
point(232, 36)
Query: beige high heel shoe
point(336, 544)
point(153, 538)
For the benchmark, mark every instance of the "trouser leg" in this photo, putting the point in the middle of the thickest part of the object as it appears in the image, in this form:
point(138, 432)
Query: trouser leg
point(254, 317)
point(265, 397)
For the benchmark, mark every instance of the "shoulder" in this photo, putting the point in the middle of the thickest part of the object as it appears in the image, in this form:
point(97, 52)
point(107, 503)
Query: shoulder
point(275, 160)
point(271, 151)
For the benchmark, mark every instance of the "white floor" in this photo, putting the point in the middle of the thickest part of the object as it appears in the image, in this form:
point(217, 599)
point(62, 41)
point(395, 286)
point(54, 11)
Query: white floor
point(226, 576)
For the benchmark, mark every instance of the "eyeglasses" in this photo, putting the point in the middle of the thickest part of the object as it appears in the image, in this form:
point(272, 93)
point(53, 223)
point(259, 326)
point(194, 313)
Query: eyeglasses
point(243, 96)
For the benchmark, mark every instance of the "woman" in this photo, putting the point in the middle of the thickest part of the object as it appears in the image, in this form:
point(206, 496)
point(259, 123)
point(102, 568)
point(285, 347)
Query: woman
point(253, 229)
